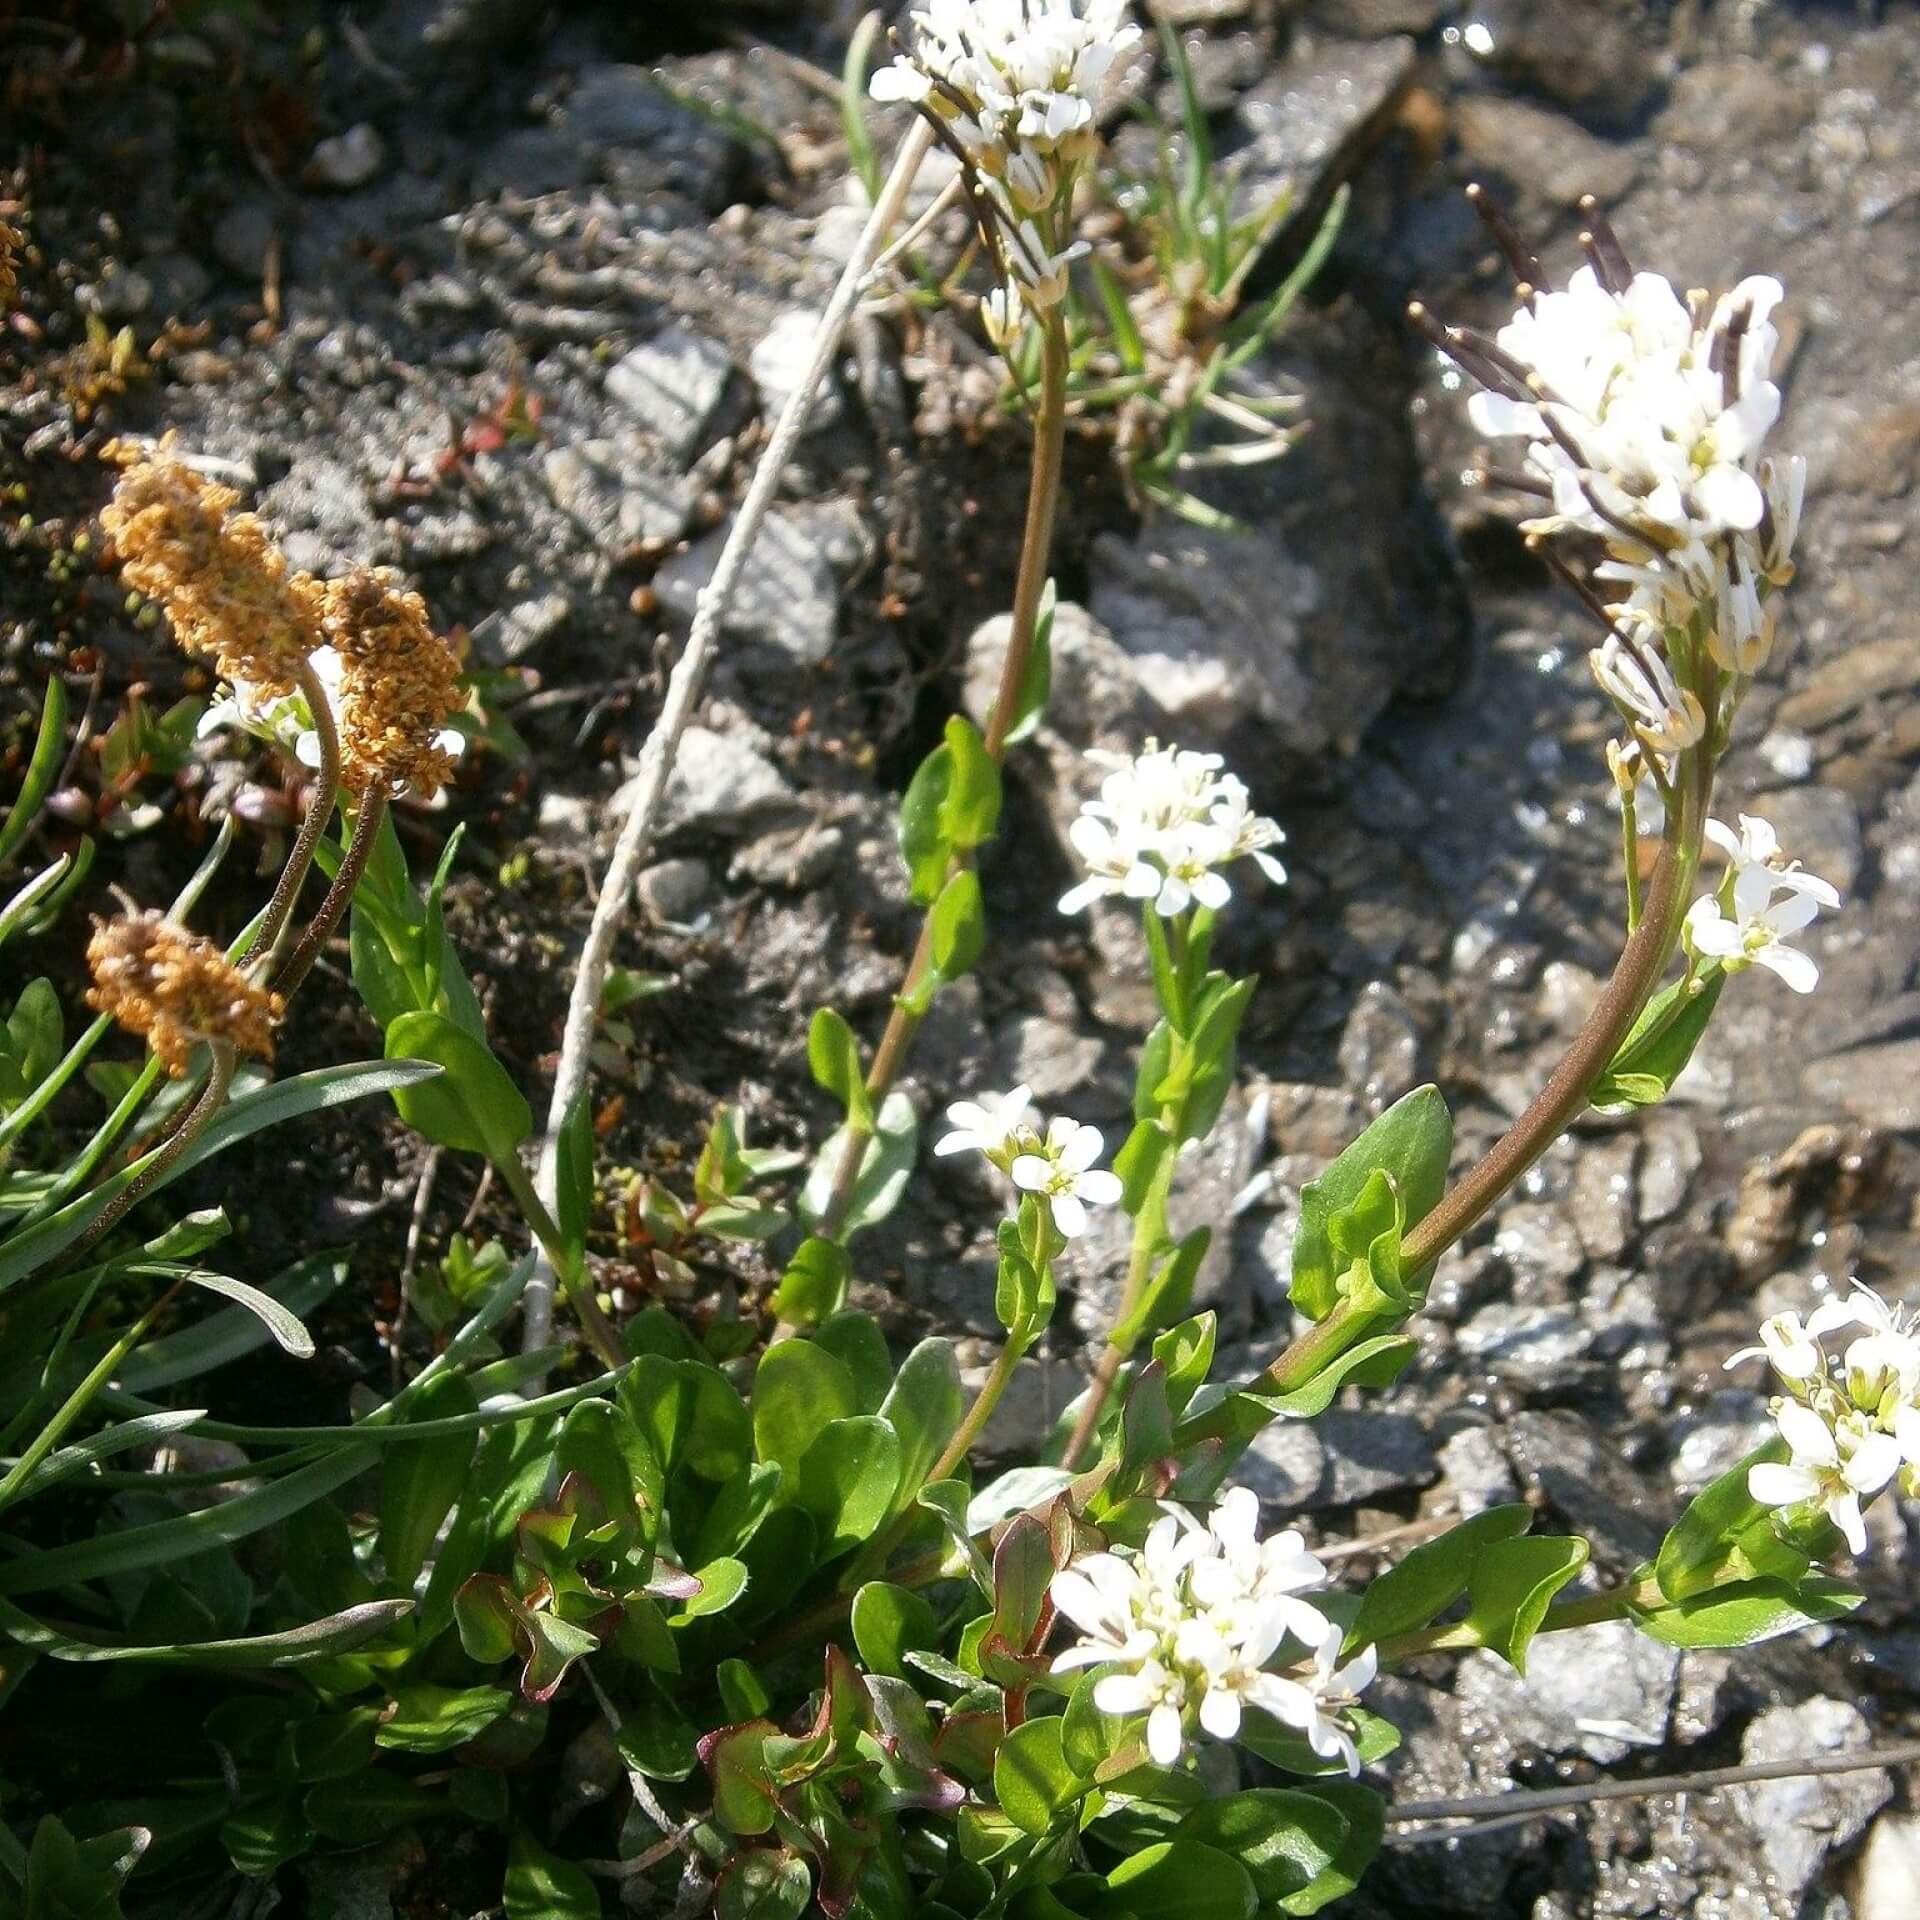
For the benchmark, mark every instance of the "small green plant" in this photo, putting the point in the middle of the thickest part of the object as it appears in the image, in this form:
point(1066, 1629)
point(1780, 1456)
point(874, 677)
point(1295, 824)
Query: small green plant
point(741, 1614)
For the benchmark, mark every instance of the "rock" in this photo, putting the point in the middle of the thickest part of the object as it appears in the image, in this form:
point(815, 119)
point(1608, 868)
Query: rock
point(1600, 1690)
point(1533, 1344)
point(1593, 56)
point(1037, 1394)
point(1538, 152)
point(1819, 827)
point(1309, 123)
point(674, 891)
point(1717, 1438)
point(529, 161)
point(719, 780)
point(1602, 1197)
point(347, 161)
point(1302, 636)
point(672, 385)
point(1559, 1456)
point(1342, 1458)
point(1846, 681)
point(1048, 1057)
point(1797, 1822)
point(1879, 1085)
point(624, 123)
point(1541, 1247)
point(621, 492)
point(792, 858)
point(1722, 102)
point(1888, 1882)
point(1380, 1046)
point(180, 283)
point(516, 633)
point(1838, 1169)
point(1476, 1471)
point(788, 594)
point(243, 236)
point(1670, 1157)
point(778, 364)
point(122, 293)
point(1369, 19)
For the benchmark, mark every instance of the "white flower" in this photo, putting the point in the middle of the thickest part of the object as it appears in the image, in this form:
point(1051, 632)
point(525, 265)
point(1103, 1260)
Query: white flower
point(1771, 898)
point(1862, 1308)
point(1305, 1704)
point(1244, 1576)
point(1667, 716)
point(1833, 1466)
point(1063, 1171)
point(1003, 316)
point(1165, 823)
point(1789, 1348)
point(1157, 1691)
point(986, 1125)
point(1634, 421)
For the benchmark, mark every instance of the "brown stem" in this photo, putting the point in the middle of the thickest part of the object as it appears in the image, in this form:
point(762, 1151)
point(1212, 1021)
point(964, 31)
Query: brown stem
point(212, 1098)
point(1043, 499)
point(366, 830)
point(319, 813)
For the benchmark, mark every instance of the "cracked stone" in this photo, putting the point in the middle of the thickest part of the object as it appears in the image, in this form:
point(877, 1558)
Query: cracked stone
point(672, 385)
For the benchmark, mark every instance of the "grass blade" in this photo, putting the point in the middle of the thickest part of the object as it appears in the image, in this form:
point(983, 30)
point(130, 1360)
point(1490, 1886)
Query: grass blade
point(123, 1436)
point(232, 1333)
point(42, 768)
point(317, 1640)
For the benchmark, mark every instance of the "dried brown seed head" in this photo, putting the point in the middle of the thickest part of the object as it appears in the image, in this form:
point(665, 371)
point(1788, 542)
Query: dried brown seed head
point(174, 989)
point(225, 586)
point(399, 684)
point(12, 243)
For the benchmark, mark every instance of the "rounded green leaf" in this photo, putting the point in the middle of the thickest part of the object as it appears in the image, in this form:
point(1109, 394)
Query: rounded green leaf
point(473, 1105)
point(1182, 1880)
point(798, 1389)
point(1032, 1780)
point(890, 1622)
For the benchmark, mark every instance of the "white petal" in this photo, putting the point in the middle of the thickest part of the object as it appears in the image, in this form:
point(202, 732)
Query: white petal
point(1081, 1149)
point(1069, 1215)
point(1220, 1713)
point(1730, 497)
point(1799, 970)
point(1778, 1485)
point(1099, 1186)
point(1843, 1509)
point(1121, 1693)
point(954, 1143)
point(1164, 1734)
point(1875, 1461)
point(1808, 1435)
point(1032, 1174)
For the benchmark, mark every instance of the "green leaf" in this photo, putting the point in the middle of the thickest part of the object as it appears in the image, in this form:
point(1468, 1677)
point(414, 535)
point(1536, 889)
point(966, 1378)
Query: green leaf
point(959, 930)
point(1654, 1054)
point(951, 806)
point(34, 1035)
point(286, 1328)
point(368, 1806)
point(1411, 1142)
point(855, 1340)
point(292, 1099)
point(1168, 1291)
point(541, 1886)
point(1724, 1528)
point(1181, 1880)
point(656, 1739)
point(798, 1390)
point(814, 1284)
point(43, 768)
point(1748, 1612)
point(885, 1167)
point(573, 1181)
point(121, 1437)
point(722, 1582)
point(1373, 1363)
point(924, 1407)
point(1432, 1577)
point(1285, 1839)
point(1031, 1777)
point(848, 1476)
point(1185, 1354)
point(419, 1484)
point(1512, 1584)
point(473, 1106)
point(1036, 683)
point(429, 1719)
point(743, 1790)
point(889, 1622)
point(1366, 1816)
point(317, 1640)
point(763, 1883)
point(67, 1879)
point(834, 1056)
point(232, 1333)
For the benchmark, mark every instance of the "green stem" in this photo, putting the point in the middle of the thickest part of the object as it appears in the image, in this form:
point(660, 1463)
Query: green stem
point(1043, 500)
point(76, 1402)
point(599, 1329)
point(319, 813)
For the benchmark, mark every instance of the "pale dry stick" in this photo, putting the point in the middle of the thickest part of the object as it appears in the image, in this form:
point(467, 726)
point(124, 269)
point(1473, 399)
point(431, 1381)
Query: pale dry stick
point(683, 693)
point(1489, 1811)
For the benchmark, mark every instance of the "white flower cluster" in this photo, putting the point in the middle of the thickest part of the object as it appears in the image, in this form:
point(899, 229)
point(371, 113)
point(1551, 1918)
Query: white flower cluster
point(1645, 417)
point(1189, 1625)
point(1166, 822)
point(1054, 1160)
point(1765, 898)
point(1015, 85)
point(286, 721)
point(1849, 1428)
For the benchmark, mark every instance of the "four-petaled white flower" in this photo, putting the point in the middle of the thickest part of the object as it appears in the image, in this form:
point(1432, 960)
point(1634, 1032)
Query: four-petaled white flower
point(986, 1125)
point(1833, 1465)
point(1770, 898)
point(1850, 1427)
point(1063, 1171)
point(1665, 715)
point(1164, 825)
point(1188, 1626)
